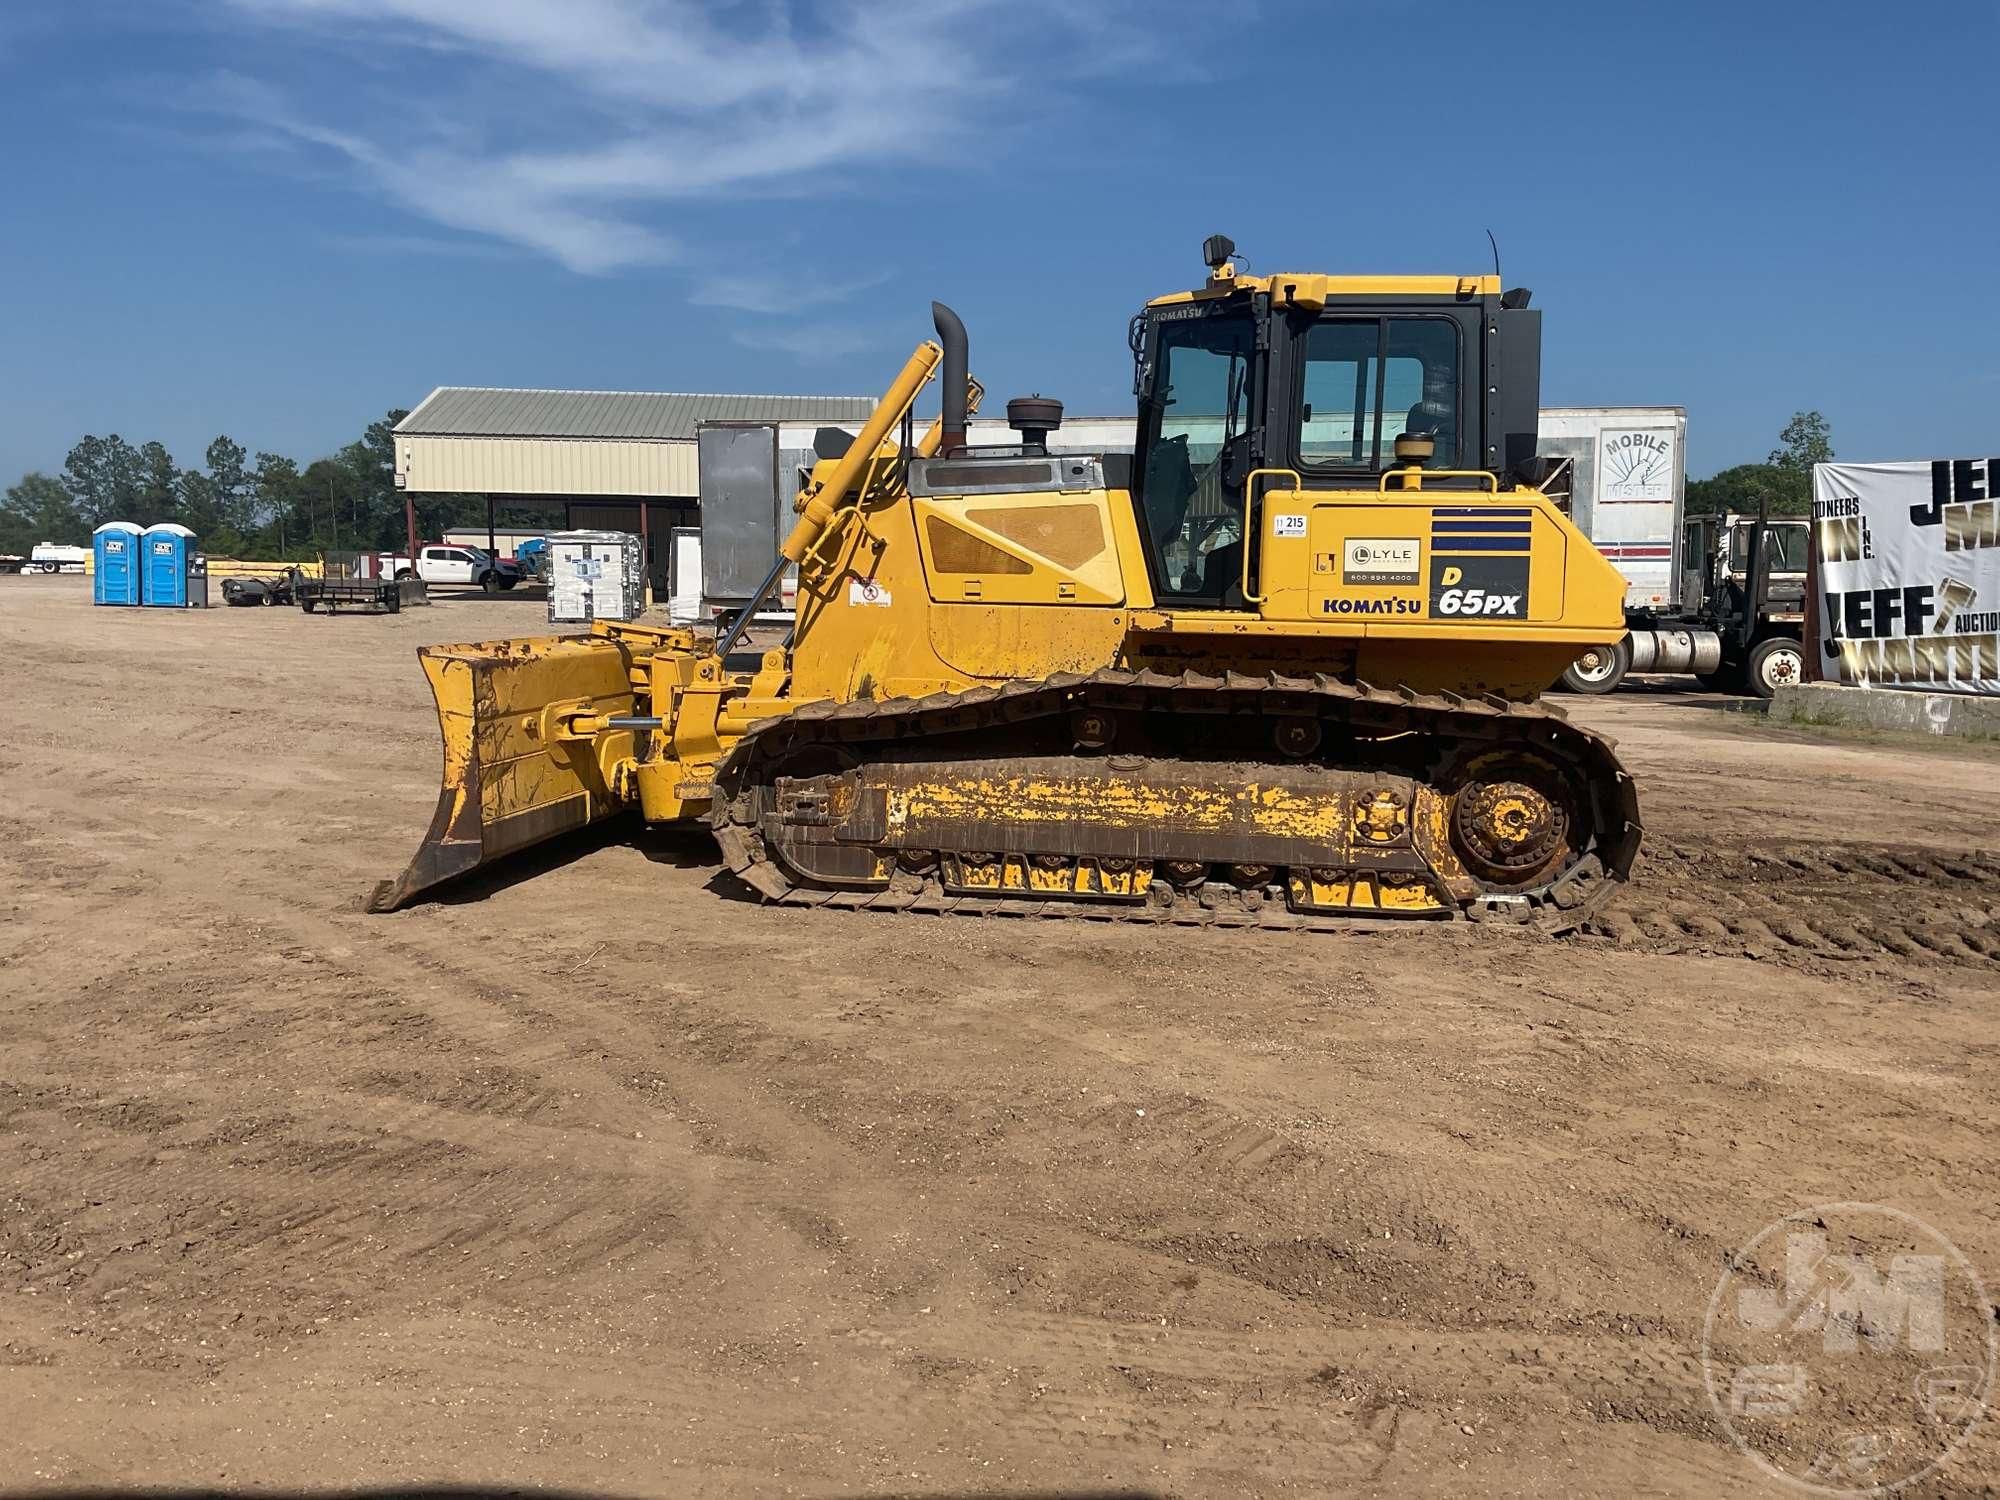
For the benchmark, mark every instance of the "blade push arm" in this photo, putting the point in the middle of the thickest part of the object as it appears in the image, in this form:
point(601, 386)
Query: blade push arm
point(818, 502)
point(821, 499)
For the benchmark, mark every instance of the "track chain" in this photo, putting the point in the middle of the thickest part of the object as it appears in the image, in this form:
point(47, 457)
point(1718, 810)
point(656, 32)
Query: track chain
point(1376, 711)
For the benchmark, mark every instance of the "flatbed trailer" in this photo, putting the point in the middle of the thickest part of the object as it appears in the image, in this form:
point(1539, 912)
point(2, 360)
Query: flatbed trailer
point(349, 581)
point(367, 595)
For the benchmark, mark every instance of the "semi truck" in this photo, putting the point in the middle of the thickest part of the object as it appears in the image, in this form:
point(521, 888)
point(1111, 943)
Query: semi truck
point(1720, 598)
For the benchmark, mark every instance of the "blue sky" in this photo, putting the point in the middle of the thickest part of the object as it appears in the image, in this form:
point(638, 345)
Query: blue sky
point(278, 218)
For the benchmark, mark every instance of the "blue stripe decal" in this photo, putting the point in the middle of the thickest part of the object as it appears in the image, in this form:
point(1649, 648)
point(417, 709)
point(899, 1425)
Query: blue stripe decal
point(1459, 546)
point(1481, 510)
point(1496, 528)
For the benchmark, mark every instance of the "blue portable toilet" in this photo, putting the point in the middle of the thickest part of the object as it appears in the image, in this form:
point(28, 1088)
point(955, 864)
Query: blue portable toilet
point(115, 551)
point(169, 548)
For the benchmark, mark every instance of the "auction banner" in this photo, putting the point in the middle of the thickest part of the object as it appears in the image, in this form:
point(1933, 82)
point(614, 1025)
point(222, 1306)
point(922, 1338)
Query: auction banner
point(1909, 573)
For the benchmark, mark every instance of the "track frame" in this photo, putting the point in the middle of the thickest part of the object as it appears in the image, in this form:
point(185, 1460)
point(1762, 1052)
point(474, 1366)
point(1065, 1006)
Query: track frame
point(1473, 725)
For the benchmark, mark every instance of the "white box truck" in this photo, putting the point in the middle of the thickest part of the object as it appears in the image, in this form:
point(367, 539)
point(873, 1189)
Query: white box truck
point(1689, 583)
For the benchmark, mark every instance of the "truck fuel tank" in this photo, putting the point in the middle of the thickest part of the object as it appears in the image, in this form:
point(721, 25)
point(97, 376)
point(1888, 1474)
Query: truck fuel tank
point(1677, 652)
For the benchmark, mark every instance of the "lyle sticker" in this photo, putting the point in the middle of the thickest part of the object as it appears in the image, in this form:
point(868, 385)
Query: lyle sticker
point(860, 591)
point(1381, 559)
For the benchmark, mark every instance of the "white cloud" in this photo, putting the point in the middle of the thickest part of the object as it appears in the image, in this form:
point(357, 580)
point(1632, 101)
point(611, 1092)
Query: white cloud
point(572, 127)
point(458, 190)
point(770, 290)
point(426, 245)
point(810, 343)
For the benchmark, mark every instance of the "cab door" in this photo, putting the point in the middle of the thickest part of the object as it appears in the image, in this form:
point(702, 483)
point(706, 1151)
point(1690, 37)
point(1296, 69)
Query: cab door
point(1195, 441)
point(1698, 558)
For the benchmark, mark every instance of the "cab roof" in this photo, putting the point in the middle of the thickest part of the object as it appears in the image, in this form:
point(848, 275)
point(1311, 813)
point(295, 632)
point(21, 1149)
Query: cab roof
point(1316, 289)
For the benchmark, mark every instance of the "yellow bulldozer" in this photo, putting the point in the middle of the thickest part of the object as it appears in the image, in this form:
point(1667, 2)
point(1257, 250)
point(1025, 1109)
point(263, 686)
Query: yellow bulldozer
point(1279, 666)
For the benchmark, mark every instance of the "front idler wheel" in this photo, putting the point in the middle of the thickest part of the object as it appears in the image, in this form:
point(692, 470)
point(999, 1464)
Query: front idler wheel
point(1511, 823)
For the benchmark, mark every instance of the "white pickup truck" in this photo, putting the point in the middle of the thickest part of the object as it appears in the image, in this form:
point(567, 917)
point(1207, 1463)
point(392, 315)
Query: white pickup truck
point(453, 562)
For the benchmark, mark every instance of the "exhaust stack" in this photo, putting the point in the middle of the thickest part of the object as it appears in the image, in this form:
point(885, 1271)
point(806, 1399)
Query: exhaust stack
point(951, 335)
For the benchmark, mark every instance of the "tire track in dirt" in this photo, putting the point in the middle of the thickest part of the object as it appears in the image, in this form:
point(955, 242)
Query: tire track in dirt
point(326, 1202)
point(289, 1197)
point(1236, 1146)
point(1802, 902)
point(1571, 1373)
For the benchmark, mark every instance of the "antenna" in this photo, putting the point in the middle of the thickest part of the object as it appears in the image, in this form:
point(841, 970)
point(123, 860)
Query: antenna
point(1496, 253)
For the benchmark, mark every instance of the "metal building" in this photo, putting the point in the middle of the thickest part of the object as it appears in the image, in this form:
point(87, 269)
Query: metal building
point(602, 460)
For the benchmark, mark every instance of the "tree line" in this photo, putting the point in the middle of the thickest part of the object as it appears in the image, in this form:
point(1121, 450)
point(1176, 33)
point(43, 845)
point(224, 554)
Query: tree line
point(1784, 479)
point(263, 507)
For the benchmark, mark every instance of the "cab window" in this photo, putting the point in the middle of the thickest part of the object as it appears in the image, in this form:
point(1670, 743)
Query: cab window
point(1368, 381)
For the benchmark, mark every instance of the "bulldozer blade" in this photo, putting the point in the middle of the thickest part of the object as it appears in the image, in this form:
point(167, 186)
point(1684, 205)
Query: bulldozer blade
point(508, 781)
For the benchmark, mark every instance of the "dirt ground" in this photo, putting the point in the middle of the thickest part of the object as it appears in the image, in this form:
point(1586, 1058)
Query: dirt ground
point(600, 1176)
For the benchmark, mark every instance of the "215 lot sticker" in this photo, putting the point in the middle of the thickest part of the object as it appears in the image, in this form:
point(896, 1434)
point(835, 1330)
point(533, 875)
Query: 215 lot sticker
point(1488, 588)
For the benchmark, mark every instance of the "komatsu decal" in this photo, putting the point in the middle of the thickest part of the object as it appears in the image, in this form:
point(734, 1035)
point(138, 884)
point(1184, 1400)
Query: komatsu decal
point(1397, 606)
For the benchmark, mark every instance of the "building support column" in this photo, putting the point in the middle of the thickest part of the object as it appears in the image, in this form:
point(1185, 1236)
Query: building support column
point(646, 542)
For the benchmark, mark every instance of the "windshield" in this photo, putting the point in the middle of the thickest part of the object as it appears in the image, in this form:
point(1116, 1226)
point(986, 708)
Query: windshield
point(1197, 401)
point(1785, 545)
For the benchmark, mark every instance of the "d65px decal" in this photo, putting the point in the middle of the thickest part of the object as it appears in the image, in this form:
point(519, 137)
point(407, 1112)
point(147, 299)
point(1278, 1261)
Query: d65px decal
point(1493, 588)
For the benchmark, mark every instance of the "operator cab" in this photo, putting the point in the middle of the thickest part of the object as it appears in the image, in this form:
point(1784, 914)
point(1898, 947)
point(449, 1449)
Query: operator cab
point(1316, 377)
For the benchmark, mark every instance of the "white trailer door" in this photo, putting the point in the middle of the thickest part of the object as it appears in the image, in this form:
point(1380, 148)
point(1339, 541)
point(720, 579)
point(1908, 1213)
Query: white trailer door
point(684, 576)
